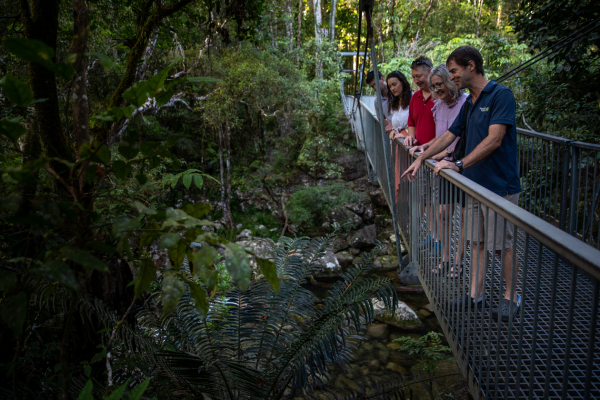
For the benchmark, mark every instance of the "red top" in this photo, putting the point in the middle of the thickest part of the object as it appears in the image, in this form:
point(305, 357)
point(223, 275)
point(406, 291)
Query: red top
point(421, 117)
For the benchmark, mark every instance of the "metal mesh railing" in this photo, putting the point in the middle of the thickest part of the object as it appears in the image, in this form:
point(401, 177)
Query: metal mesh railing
point(560, 179)
point(459, 238)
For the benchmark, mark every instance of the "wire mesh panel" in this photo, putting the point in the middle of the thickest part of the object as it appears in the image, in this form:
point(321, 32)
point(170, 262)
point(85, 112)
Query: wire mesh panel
point(475, 252)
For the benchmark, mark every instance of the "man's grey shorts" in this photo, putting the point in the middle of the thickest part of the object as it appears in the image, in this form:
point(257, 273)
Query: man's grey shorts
point(478, 212)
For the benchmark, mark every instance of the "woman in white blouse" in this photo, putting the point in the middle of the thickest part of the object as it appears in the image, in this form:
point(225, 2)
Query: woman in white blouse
point(398, 100)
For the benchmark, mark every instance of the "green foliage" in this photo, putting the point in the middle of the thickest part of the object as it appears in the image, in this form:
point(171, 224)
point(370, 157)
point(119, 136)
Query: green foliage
point(304, 213)
point(250, 352)
point(428, 348)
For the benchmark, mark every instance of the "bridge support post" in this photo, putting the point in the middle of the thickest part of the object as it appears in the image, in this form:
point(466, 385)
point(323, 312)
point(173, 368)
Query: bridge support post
point(385, 142)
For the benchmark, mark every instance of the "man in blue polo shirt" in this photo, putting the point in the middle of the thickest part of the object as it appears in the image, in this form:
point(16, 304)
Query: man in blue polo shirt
point(491, 160)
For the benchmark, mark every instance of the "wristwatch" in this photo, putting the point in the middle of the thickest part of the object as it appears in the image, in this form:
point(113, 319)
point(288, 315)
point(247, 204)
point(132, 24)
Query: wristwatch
point(459, 164)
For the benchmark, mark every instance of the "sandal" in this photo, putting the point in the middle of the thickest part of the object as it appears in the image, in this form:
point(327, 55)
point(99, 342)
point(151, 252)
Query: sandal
point(444, 265)
point(456, 271)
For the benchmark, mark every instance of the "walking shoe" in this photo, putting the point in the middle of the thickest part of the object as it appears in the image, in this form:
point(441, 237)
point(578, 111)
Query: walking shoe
point(504, 308)
point(464, 300)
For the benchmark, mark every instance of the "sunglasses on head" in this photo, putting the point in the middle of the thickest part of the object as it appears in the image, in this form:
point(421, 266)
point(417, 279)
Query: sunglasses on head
point(421, 62)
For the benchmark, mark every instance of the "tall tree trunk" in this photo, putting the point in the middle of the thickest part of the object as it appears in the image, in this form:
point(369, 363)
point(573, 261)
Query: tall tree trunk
point(499, 14)
point(422, 21)
point(141, 71)
point(40, 19)
point(289, 24)
point(298, 43)
point(228, 166)
point(319, 39)
point(393, 29)
point(479, 16)
point(135, 55)
point(31, 150)
point(225, 179)
point(79, 96)
point(332, 20)
point(380, 35)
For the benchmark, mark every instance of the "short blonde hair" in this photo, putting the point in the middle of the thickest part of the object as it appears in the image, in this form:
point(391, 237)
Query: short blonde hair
point(442, 71)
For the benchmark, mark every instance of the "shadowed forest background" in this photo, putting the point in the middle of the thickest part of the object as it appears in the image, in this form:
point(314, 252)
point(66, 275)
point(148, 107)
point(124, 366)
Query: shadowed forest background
point(140, 138)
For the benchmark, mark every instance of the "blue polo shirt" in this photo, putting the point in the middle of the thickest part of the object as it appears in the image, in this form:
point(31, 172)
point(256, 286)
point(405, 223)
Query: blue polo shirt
point(499, 171)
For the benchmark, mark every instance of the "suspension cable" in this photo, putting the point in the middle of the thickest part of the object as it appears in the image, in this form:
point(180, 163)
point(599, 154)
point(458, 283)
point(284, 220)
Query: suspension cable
point(552, 50)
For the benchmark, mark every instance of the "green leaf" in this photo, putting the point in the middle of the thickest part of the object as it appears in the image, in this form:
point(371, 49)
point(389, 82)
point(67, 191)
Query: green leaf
point(142, 209)
point(149, 237)
point(13, 310)
point(105, 61)
point(145, 277)
point(269, 270)
point(197, 210)
point(203, 258)
point(137, 392)
point(123, 225)
point(141, 178)
point(238, 265)
point(128, 151)
point(174, 181)
point(30, 50)
point(58, 271)
point(102, 247)
point(11, 129)
point(137, 94)
point(86, 393)
point(148, 148)
point(164, 96)
point(118, 393)
point(64, 70)
point(102, 155)
point(90, 174)
point(200, 298)
point(121, 169)
point(157, 82)
point(206, 79)
point(172, 290)
point(83, 258)
point(187, 181)
point(16, 91)
point(169, 239)
point(8, 280)
point(198, 180)
point(176, 254)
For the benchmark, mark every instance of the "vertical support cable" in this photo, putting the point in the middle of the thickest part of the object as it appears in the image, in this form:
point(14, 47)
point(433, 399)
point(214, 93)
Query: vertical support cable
point(385, 141)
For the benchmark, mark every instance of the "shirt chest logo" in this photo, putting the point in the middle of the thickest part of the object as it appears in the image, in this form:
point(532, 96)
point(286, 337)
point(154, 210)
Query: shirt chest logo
point(484, 109)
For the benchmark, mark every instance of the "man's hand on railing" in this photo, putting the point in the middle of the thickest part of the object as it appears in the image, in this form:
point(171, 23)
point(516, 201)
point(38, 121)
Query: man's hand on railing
point(411, 172)
point(444, 165)
point(410, 141)
point(420, 148)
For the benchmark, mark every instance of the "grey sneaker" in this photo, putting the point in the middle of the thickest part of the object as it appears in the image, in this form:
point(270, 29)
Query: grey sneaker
point(503, 309)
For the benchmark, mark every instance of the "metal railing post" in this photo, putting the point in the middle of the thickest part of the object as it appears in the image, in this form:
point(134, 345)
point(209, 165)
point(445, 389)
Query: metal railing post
point(386, 151)
point(414, 223)
point(573, 206)
point(564, 185)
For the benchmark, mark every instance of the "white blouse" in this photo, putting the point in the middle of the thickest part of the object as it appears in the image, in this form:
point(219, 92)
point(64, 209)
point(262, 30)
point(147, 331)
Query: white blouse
point(399, 119)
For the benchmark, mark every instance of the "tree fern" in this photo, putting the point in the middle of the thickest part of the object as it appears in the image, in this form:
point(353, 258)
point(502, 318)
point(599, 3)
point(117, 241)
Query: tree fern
point(255, 344)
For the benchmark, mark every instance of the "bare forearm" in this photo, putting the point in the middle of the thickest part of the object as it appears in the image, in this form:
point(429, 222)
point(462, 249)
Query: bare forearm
point(486, 147)
point(411, 131)
point(438, 144)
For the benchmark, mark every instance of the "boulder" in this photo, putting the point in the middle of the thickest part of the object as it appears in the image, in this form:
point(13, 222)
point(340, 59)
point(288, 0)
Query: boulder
point(386, 263)
point(378, 198)
point(363, 238)
point(354, 251)
point(396, 368)
point(344, 258)
point(343, 215)
point(368, 215)
point(353, 164)
point(409, 276)
point(357, 261)
point(378, 331)
point(404, 317)
point(246, 234)
point(330, 267)
point(263, 248)
point(357, 208)
point(338, 244)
